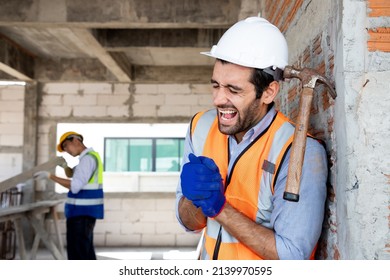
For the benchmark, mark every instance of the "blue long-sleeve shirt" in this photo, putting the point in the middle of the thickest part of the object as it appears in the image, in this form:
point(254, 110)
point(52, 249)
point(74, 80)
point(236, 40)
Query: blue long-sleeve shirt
point(297, 225)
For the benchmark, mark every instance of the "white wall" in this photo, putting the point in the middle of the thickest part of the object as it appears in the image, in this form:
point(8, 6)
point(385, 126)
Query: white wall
point(11, 130)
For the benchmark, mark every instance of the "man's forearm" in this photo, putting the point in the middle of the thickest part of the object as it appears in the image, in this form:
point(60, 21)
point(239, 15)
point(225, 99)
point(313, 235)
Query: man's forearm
point(64, 182)
point(258, 238)
point(191, 216)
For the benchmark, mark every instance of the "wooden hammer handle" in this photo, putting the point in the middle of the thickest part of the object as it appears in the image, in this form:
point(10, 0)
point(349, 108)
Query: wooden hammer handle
point(297, 153)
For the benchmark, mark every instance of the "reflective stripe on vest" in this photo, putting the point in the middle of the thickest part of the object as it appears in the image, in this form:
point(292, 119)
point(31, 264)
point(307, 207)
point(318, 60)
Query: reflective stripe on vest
point(78, 201)
point(89, 200)
point(249, 186)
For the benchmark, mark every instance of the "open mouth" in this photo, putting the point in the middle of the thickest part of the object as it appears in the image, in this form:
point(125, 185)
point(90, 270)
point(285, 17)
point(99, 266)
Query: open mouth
point(226, 114)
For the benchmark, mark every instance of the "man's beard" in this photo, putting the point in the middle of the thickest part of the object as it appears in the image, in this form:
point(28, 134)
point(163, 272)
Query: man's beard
point(242, 124)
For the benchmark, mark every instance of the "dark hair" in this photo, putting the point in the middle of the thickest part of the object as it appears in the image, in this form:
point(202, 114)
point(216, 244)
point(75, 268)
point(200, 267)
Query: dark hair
point(259, 79)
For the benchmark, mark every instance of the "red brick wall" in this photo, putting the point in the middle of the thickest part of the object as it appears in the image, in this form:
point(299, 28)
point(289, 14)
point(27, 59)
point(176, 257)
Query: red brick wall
point(319, 55)
point(379, 38)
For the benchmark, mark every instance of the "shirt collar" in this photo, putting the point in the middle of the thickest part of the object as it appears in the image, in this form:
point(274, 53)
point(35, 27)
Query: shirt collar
point(83, 153)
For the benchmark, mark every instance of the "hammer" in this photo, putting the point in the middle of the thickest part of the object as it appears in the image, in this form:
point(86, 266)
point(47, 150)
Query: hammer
point(309, 78)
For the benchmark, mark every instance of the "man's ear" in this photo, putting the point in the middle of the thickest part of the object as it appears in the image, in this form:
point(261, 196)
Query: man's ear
point(270, 93)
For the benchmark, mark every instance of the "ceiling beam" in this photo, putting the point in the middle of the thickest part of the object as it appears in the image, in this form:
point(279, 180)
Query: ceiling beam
point(94, 47)
point(15, 62)
point(124, 13)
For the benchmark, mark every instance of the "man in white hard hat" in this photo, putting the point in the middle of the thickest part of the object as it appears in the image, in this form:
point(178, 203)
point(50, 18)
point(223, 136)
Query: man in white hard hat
point(236, 158)
point(85, 197)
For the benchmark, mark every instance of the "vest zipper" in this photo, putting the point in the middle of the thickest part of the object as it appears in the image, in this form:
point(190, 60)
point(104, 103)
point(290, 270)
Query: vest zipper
point(219, 238)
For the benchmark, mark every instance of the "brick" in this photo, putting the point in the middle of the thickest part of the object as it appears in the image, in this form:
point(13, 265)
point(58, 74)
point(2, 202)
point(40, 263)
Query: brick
point(196, 109)
point(156, 216)
point(138, 204)
point(11, 106)
point(11, 117)
point(317, 49)
point(168, 228)
point(78, 100)
point(152, 99)
point(138, 228)
point(122, 89)
point(12, 93)
point(10, 164)
point(61, 88)
point(105, 99)
point(105, 227)
point(179, 99)
point(146, 89)
point(379, 8)
point(118, 111)
point(99, 240)
point(87, 111)
point(112, 204)
point(187, 239)
point(174, 88)
point(201, 88)
point(55, 111)
point(158, 240)
point(166, 204)
point(123, 240)
point(7, 128)
point(144, 110)
point(122, 216)
point(174, 111)
point(96, 88)
point(49, 100)
point(13, 140)
point(205, 99)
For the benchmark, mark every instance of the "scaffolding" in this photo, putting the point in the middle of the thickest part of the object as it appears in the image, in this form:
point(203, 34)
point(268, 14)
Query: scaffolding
point(11, 197)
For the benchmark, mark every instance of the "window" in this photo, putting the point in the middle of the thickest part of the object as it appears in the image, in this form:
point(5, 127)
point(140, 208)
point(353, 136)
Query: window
point(143, 154)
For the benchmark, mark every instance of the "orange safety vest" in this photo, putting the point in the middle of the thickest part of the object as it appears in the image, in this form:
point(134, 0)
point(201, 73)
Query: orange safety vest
point(250, 184)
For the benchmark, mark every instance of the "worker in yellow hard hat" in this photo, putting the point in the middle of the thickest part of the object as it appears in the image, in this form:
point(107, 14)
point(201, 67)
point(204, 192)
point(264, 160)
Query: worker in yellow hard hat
point(85, 201)
point(67, 136)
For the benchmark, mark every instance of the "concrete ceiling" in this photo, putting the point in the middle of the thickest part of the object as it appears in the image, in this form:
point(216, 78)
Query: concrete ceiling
point(146, 41)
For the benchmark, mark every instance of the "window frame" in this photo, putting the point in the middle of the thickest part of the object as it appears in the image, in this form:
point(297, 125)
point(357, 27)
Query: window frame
point(154, 151)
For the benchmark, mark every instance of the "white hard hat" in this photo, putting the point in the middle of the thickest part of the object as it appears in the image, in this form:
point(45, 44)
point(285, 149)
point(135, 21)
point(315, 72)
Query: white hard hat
point(253, 42)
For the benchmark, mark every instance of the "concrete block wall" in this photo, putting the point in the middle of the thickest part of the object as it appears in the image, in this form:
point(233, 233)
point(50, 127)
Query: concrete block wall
point(309, 36)
point(131, 218)
point(346, 41)
point(12, 130)
point(116, 102)
point(137, 220)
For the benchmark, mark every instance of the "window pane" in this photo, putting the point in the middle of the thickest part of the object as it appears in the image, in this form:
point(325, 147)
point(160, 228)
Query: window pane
point(116, 155)
point(167, 155)
point(141, 158)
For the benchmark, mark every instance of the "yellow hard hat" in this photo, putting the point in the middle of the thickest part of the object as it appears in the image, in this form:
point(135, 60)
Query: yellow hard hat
point(67, 136)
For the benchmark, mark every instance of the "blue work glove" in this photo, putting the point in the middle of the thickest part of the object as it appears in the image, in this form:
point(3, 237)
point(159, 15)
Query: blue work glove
point(202, 184)
point(212, 206)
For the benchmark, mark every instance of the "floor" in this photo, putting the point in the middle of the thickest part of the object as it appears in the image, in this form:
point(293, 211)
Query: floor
point(133, 253)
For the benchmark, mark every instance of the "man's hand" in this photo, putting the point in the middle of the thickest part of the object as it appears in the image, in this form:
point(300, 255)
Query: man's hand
point(68, 172)
point(213, 205)
point(41, 175)
point(64, 164)
point(202, 184)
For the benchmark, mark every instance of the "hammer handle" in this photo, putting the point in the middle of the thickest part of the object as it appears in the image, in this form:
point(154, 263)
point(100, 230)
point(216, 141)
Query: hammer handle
point(297, 153)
